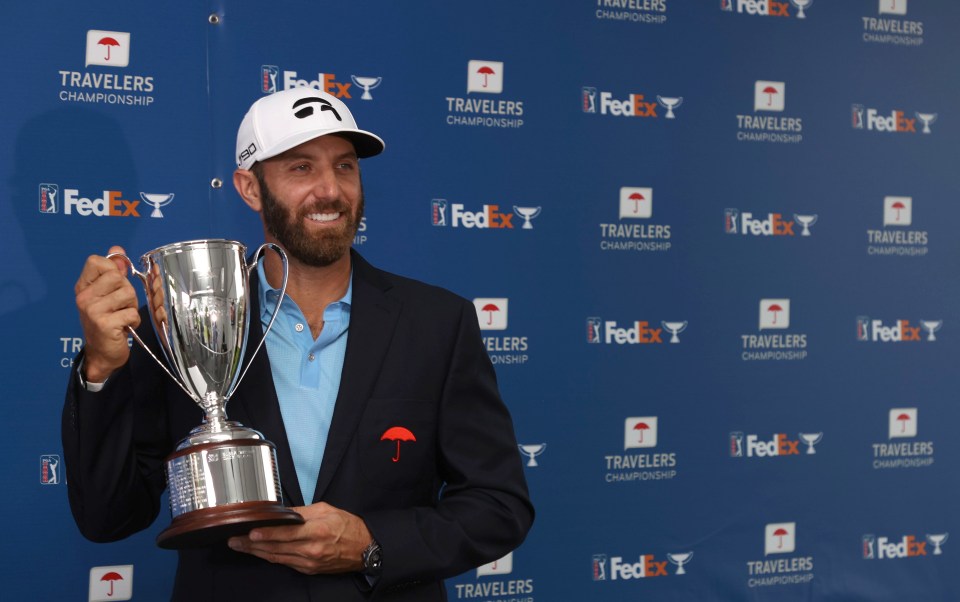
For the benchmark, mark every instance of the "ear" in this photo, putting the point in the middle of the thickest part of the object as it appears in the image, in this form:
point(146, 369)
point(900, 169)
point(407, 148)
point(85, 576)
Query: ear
point(248, 188)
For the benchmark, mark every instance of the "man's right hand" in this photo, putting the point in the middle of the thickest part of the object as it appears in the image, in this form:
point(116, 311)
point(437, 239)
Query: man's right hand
point(107, 303)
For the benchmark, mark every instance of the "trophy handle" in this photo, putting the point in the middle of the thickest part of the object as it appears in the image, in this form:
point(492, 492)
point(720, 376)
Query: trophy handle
point(143, 278)
point(283, 293)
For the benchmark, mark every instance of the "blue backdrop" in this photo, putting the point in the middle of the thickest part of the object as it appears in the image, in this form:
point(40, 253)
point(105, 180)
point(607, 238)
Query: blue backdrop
point(727, 336)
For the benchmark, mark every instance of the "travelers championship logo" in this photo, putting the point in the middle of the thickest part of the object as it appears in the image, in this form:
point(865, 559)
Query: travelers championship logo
point(71, 346)
point(767, 124)
point(774, 315)
point(791, 569)
point(896, 331)
point(896, 237)
point(901, 448)
point(892, 121)
point(273, 79)
point(636, 229)
point(361, 236)
point(483, 217)
point(905, 546)
point(639, 11)
point(778, 445)
point(106, 51)
point(111, 583)
point(644, 106)
point(638, 332)
point(492, 315)
point(767, 8)
point(477, 108)
point(890, 25)
point(109, 203)
point(640, 433)
point(498, 589)
point(748, 223)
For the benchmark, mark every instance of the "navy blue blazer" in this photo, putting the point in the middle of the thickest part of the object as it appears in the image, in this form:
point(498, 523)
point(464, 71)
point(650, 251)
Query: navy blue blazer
point(414, 358)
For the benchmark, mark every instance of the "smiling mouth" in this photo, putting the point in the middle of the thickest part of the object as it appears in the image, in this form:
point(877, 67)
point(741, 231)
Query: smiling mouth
point(323, 217)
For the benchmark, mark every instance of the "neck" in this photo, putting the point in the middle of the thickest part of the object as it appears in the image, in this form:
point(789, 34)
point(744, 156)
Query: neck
point(313, 288)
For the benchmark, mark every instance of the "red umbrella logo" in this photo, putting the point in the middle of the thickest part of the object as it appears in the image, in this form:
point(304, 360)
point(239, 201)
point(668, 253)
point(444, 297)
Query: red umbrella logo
point(485, 71)
point(780, 533)
point(770, 91)
point(110, 578)
point(636, 197)
point(108, 42)
point(903, 418)
point(490, 308)
point(776, 309)
point(398, 434)
point(641, 426)
point(898, 206)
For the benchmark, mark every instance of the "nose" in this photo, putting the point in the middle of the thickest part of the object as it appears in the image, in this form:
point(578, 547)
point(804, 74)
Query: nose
point(325, 185)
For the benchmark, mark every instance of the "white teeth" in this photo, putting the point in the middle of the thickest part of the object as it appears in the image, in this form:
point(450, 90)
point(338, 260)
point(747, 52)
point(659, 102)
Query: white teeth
point(323, 217)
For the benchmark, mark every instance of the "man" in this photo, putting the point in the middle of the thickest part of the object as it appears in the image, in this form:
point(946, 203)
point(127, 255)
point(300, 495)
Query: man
point(355, 352)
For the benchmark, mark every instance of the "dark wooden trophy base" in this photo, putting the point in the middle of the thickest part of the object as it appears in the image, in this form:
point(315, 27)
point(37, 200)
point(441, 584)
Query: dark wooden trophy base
point(211, 526)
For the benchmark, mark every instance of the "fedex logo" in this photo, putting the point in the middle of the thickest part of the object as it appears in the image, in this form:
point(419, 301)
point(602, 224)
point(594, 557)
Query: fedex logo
point(639, 333)
point(326, 82)
point(647, 566)
point(871, 119)
point(772, 224)
point(634, 105)
point(751, 445)
point(488, 217)
point(876, 331)
point(766, 8)
point(907, 547)
point(110, 204)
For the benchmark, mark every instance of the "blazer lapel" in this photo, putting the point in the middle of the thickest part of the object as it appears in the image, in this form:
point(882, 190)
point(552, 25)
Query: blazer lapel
point(256, 397)
point(373, 317)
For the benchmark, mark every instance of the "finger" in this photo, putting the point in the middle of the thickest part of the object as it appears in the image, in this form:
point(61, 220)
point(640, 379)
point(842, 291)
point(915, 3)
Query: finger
point(120, 262)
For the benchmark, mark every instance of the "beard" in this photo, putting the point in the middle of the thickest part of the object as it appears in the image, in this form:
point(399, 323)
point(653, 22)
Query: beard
point(317, 249)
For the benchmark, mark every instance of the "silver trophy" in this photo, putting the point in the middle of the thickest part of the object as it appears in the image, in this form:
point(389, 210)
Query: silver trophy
point(223, 477)
point(156, 201)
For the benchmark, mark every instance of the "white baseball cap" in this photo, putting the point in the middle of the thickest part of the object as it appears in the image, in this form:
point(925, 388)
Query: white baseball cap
point(283, 120)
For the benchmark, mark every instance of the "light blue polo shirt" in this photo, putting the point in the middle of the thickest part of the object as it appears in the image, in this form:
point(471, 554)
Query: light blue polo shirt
point(306, 373)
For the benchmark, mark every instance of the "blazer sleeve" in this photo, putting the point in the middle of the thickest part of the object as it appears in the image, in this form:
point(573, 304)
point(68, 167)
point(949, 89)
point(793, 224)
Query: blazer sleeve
point(114, 444)
point(484, 509)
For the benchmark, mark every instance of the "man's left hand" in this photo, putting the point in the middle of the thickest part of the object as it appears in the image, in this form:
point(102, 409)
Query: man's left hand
point(330, 541)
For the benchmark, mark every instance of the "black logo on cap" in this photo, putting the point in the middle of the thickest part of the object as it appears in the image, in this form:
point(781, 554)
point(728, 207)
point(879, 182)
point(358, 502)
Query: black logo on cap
point(308, 111)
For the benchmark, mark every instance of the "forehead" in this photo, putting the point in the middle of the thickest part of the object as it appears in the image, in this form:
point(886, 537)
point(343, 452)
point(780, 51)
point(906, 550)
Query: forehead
point(331, 145)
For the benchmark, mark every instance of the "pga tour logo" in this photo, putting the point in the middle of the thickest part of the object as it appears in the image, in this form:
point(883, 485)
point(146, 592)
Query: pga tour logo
point(107, 48)
point(491, 312)
point(50, 469)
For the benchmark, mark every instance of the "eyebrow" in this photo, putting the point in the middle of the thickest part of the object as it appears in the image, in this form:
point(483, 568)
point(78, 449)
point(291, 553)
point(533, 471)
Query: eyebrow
point(307, 157)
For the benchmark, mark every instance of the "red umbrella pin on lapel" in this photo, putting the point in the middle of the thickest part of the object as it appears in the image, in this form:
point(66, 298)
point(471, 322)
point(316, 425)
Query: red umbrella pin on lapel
point(398, 434)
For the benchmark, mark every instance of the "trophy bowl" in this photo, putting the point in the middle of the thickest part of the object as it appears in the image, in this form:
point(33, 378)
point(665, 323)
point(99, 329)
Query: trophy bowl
point(222, 478)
